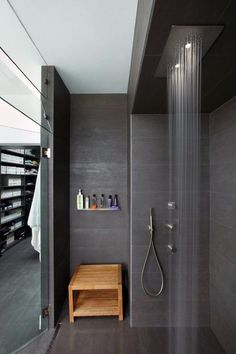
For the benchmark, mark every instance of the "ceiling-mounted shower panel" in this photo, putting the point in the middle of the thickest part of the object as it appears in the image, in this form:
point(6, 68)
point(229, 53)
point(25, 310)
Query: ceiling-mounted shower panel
point(208, 35)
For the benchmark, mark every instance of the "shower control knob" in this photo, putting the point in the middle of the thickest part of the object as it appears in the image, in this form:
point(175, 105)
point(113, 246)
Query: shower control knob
point(169, 226)
point(171, 205)
point(172, 249)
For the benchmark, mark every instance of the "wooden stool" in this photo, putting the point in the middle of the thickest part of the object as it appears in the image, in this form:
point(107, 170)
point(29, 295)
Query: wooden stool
point(96, 290)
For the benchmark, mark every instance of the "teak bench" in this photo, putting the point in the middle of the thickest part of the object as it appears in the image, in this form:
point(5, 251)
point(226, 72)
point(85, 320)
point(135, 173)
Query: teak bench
point(96, 290)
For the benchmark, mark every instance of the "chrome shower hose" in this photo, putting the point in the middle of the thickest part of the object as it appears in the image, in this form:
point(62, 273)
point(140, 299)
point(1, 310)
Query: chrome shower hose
point(151, 245)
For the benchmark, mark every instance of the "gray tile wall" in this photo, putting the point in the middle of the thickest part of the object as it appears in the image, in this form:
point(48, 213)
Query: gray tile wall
point(223, 224)
point(150, 188)
point(98, 164)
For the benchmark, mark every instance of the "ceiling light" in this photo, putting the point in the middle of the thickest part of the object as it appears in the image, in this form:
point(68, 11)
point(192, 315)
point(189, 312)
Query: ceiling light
point(5, 59)
point(177, 66)
point(188, 45)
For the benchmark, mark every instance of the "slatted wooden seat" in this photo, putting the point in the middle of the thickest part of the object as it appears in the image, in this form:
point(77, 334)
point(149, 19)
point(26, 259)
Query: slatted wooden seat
point(96, 290)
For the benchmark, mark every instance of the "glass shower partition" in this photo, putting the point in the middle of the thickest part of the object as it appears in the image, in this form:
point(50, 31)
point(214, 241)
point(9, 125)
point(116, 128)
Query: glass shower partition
point(21, 102)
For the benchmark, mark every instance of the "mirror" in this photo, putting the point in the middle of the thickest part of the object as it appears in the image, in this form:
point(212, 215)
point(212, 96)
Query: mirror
point(23, 243)
point(20, 68)
point(18, 90)
point(23, 185)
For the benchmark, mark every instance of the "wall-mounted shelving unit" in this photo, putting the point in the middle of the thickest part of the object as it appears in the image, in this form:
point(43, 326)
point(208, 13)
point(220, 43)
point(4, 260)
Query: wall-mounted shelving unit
point(19, 169)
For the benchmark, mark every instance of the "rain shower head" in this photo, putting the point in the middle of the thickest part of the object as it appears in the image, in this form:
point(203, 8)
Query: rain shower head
point(208, 35)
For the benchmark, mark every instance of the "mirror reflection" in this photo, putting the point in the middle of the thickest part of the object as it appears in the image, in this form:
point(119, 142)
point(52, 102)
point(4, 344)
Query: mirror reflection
point(19, 91)
point(20, 236)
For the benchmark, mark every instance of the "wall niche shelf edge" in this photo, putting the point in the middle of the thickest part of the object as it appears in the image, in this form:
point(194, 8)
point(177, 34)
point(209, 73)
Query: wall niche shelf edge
point(99, 209)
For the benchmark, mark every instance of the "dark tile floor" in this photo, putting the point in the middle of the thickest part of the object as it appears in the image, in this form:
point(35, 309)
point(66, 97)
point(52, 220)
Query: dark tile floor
point(19, 296)
point(110, 336)
point(39, 345)
point(19, 311)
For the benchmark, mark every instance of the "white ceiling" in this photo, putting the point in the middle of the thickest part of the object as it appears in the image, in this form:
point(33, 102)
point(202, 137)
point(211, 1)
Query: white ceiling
point(89, 41)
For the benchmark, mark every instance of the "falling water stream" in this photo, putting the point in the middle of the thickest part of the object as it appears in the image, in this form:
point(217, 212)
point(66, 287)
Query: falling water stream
point(183, 85)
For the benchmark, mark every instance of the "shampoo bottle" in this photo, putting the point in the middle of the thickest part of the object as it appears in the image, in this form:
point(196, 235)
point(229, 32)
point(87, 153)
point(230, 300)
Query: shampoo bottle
point(87, 202)
point(94, 202)
point(80, 200)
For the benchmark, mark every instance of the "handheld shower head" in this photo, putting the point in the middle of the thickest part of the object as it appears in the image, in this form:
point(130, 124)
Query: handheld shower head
point(150, 226)
point(152, 246)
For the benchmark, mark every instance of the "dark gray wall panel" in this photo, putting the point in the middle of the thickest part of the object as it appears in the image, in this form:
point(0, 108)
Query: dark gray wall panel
point(223, 224)
point(58, 109)
point(98, 164)
point(150, 188)
point(61, 192)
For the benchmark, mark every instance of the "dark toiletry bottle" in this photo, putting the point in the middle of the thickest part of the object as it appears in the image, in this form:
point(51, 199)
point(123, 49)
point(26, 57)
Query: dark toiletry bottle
point(102, 201)
point(116, 204)
point(109, 201)
point(94, 202)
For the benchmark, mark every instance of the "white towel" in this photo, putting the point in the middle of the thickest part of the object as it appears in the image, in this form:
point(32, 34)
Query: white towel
point(34, 219)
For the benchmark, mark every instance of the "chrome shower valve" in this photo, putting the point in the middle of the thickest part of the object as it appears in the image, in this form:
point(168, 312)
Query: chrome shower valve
point(170, 226)
point(172, 248)
point(171, 205)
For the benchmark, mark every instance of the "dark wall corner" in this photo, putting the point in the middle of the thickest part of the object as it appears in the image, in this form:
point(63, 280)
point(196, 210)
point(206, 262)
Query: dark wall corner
point(223, 224)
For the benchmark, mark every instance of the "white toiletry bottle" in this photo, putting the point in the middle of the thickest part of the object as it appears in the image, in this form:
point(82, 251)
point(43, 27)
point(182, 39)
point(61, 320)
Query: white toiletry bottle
point(80, 200)
point(87, 202)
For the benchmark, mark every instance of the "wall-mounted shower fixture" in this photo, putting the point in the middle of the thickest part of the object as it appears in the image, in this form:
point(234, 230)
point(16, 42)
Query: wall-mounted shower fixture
point(170, 226)
point(208, 35)
point(152, 245)
point(172, 248)
point(171, 205)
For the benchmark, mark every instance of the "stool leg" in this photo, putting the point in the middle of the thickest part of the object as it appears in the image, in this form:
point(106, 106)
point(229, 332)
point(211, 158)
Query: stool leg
point(120, 302)
point(71, 305)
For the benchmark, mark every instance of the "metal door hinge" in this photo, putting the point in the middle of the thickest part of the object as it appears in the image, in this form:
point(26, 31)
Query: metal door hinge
point(46, 311)
point(46, 152)
point(45, 115)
